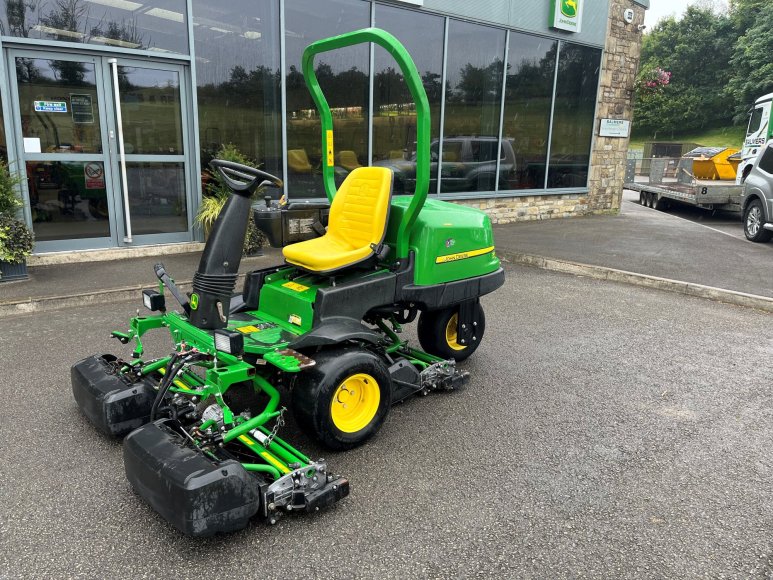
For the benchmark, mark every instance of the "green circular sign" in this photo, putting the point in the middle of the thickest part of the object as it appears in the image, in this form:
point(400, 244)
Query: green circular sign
point(194, 301)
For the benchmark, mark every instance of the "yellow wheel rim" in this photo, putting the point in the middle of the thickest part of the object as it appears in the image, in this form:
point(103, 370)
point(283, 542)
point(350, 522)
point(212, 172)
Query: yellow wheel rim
point(452, 332)
point(355, 403)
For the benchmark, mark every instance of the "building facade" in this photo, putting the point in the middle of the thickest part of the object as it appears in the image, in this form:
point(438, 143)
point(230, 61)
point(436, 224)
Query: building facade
point(112, 109)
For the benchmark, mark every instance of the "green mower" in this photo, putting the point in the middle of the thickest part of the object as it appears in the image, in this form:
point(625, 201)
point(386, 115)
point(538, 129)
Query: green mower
point(201, 426)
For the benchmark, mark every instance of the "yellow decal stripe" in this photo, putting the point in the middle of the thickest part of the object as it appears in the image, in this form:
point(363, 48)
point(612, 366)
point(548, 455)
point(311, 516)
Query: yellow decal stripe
point(330, 156)
point(270, 459)
point(265, 455)
point(463, 255)
point(246, 440)
point(295, 286)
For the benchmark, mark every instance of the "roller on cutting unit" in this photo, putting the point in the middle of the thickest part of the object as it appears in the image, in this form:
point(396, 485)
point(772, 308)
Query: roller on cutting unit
point(318, 336)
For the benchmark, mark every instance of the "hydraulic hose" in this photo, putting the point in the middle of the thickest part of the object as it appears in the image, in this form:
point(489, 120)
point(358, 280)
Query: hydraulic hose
point(172, 370)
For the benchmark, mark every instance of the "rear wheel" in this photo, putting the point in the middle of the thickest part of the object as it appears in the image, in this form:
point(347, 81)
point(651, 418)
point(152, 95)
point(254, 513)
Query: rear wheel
point(438, 332)
point(344, 399)
point(753, 222)
point(643, 198)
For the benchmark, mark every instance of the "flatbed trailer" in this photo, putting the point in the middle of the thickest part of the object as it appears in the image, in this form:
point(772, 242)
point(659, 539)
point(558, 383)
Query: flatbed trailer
point(658, 190)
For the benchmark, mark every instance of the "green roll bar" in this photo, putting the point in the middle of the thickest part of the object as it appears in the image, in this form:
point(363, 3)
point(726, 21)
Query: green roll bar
point(413, 79)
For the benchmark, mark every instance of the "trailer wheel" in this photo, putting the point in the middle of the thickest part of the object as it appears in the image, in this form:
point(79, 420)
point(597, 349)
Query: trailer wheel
point(753, 220)
point(438, 332)
point(343, 400)
point(642, 198)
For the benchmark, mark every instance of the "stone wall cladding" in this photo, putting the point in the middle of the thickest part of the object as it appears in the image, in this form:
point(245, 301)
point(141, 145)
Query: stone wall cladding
point(503, 210)
point(620, 64)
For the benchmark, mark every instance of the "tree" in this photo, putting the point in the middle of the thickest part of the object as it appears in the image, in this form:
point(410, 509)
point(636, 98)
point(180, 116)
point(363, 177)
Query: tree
point(752, 64)
point(696, 50)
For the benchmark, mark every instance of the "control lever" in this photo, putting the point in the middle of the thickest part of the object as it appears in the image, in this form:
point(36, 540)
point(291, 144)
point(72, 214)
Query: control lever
point(167, 281)
point(267, 199)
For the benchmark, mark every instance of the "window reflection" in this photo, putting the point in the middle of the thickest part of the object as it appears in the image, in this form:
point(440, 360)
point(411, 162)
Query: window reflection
point(150, 111)
point(68, 200)
point(157, 197)
point(575, 105)
point(157, 25)
point(394, 112)
point(237, 68)
point(474, 71)
point(58, 105)
point(343, 77)
point(528, 93)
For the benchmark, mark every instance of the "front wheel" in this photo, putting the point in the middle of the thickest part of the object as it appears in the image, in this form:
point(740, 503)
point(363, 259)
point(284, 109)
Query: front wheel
point(438, 332)
point(753, 222)
point(343, 400)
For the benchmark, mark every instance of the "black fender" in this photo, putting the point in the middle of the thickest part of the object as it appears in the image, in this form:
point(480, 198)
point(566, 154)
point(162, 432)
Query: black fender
point(336, 330)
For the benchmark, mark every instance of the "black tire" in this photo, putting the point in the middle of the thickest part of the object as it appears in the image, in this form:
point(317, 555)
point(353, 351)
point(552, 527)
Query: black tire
point(753, 222)
point(658, 203)
point(356, 372)
point(651, 200)
point(437, 330)
point(643, 198)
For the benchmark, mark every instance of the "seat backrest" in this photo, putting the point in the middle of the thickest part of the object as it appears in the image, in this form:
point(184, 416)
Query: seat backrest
point(298, 160)
point(348, 159)
point(360, 208)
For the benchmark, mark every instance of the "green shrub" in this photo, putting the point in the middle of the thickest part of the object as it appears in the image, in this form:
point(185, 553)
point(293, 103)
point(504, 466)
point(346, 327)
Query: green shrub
point(216, 194)
point(16, 240)
point(9, 200)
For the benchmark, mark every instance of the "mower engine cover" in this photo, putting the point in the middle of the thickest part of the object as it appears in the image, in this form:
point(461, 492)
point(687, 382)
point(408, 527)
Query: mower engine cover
point(450, 241)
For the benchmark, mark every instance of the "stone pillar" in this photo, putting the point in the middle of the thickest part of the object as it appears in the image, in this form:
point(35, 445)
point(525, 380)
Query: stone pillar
point(619, 66)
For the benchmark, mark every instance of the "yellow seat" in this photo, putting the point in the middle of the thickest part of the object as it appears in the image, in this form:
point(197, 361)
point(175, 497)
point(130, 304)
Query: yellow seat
point(348, 160)
point(298, 161)
point(356, 226)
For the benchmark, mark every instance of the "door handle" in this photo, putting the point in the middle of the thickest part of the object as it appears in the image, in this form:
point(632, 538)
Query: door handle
point(121, 152)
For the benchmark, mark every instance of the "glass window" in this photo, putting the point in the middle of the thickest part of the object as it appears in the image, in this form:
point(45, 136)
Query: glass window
point(394, 113)
point(766, 161)
point(59, 105)
point(158, 25)
point(157, 197)
point(531, 67)
point(755, 121)
point(237, 70)
point(68, 199)
point(474, 71)
point(573, 113)
point(343, 77)
point(150, 111)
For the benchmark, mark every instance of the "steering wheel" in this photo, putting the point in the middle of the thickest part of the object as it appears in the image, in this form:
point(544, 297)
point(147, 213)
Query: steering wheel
point(242, 179)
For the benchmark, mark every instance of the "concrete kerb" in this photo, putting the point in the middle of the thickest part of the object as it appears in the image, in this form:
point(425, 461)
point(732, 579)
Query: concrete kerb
point(764, 303)
point(613, 275)
point(48, 303)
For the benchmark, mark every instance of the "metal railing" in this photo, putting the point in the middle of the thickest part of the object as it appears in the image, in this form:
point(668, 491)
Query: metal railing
point(660, 170)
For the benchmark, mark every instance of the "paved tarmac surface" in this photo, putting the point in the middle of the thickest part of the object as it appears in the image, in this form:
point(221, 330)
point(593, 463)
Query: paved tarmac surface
point(652, 242)
point(608, 431)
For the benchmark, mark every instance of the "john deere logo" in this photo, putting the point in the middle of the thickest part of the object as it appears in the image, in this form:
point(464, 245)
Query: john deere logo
point(569, 8)
point(194, 301)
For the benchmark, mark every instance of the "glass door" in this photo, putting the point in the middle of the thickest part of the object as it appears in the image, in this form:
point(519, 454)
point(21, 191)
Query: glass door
point(103, 147)
point(61, 136)
point(149, 160)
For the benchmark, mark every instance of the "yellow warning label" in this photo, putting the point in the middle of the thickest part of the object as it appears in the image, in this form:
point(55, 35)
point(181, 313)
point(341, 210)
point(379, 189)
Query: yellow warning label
point(330, 156)
point(295, 286)
point(294, 319)
point(463, 255)
point(248, 329)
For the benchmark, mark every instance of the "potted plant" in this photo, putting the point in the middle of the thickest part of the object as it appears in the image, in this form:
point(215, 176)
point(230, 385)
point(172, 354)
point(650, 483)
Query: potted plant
point(16, 239)
point(215, 195)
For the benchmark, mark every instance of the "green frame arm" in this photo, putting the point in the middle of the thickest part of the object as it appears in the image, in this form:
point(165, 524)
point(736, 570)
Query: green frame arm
point(412, 79)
